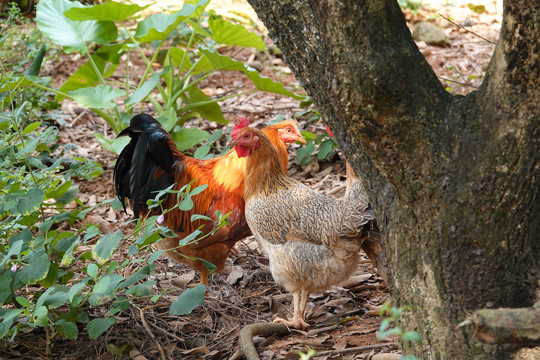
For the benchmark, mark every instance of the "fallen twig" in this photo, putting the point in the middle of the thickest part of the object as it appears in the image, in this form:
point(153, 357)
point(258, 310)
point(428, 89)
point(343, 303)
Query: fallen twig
point(469, 31)
point(149, 332)
point(262, 329)
point(356, 349)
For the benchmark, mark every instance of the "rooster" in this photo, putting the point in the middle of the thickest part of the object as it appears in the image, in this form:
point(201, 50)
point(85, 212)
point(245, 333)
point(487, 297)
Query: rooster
point(312, 241)
point(151, 162)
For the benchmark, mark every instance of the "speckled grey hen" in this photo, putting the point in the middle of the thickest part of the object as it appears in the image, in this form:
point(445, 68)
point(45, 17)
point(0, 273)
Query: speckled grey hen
point(312, 241)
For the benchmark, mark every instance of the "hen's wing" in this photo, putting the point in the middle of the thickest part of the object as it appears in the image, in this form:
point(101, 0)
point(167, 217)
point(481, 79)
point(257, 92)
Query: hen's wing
point(297, 213)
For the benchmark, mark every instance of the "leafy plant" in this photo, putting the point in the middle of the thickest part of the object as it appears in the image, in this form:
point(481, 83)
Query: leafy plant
point(54, 269)
point(321, 147)
point(103, 35)
point(392, 315)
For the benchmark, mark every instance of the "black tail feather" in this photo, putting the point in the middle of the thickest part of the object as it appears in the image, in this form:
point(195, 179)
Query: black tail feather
point(148, 152)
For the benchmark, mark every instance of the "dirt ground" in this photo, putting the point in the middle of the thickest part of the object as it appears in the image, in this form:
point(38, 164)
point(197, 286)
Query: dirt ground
point(344, 319)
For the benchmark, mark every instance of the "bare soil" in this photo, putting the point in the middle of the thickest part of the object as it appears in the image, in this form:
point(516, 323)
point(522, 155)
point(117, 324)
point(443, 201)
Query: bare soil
point(342, 318)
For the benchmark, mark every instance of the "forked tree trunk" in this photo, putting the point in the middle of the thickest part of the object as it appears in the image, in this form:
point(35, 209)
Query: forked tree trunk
point(454, 179)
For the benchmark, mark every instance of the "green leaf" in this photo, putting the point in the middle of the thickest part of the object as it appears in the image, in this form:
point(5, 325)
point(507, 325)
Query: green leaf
point(31, 127)
point(204, 105)
point(109, 11)
point(189, 238)
point(186, 204)
point(106, 285)
point(59, 191)
point(97, 327)
point(36, 269)
point(92, 270)
point(201, 151)
point(325, 149)
point(188, 300)
point(72, 35)
point(31, 202)
point(144, 90)
point(8, 318)
point(139, 275)
point(86, 75)
point(101, 96)
point(38, 60)
point(105, 246)
point(160, 26)
point(184, 138)
point(227, 33)
point(74, 290)
point(412, 336)
point(67, 329)
point(23, 301)
point(41, 311)
point(222, 62)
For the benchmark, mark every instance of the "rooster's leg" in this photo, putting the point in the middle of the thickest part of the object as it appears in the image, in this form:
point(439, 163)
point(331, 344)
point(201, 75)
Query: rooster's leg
point(299, 304)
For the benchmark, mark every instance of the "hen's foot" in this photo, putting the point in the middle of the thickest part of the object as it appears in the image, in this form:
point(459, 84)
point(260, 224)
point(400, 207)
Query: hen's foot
point(297, 323)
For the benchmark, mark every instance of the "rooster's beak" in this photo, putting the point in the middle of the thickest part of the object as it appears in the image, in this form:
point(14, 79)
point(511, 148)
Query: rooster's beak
point(231, 142)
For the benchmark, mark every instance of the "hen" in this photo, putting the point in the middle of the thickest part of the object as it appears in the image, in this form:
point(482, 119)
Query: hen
point(151, 162)
point(312, 241)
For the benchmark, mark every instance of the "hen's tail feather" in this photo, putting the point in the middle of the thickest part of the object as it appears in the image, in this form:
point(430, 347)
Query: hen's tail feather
point(145, 166)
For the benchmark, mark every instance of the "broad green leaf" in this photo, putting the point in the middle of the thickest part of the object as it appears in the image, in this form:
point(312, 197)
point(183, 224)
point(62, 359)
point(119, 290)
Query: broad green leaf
point(189, 238)
point(201, 152)
point(92, 270)
point(16, 84)
point(226, 33)
point(209, 266)
point(67, 329)
point(203, 104)
point(198, 189)
point(74, 290)
point(412, 336)
point(23, 301)
point(139, 275)
point(36, 269)
point(113, 145)
point(188, 300)
point(59, 191)
point(186, 204)
point(41, 311)
point(101, 96)
point(86, 75)
point(184, 138)
point(31, 202)
point(6, 280)
point(97, 327)
point(109, 11)
point(105, 246)
point(263, 83)
point(72, 35)
point(31, 127)
point(14, 250)
point(325, 149)
point(155, 255)
point(159, 26)
point(106, 285)
point(144, 90)
point(8, 318)
point(51, 278)
point(177, 55)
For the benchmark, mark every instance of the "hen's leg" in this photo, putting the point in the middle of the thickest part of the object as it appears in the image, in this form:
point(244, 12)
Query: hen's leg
point(299, 304)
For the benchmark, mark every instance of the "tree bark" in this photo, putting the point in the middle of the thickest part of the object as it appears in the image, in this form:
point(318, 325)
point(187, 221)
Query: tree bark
point(454, 179)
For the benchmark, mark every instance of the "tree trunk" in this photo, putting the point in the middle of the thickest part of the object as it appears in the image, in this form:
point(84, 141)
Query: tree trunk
point(454, 179)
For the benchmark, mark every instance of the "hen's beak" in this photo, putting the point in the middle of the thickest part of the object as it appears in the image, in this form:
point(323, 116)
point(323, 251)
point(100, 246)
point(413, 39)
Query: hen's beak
point(301, 140)
point(231, 142)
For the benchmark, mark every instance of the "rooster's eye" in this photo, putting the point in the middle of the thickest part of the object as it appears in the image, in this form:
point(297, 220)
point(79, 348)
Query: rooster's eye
point(289, 130)
point(246, 136)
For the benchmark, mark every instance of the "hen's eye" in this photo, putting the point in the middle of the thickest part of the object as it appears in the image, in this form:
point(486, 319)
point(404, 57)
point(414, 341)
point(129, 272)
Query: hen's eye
point(246, 136)
point(289, 130)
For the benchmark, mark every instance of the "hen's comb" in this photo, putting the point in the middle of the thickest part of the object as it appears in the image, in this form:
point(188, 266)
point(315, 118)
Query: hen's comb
point(242, 123)
point(329, 132)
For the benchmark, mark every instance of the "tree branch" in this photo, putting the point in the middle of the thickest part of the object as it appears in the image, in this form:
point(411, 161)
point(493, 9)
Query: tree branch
point(507, 326)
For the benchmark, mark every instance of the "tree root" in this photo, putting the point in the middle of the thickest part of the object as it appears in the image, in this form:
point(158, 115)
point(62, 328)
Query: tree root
point(262, 329)
point(506, 326)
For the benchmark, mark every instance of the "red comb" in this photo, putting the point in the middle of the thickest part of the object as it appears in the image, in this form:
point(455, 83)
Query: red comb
point(242, 123)
point(329, 132)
